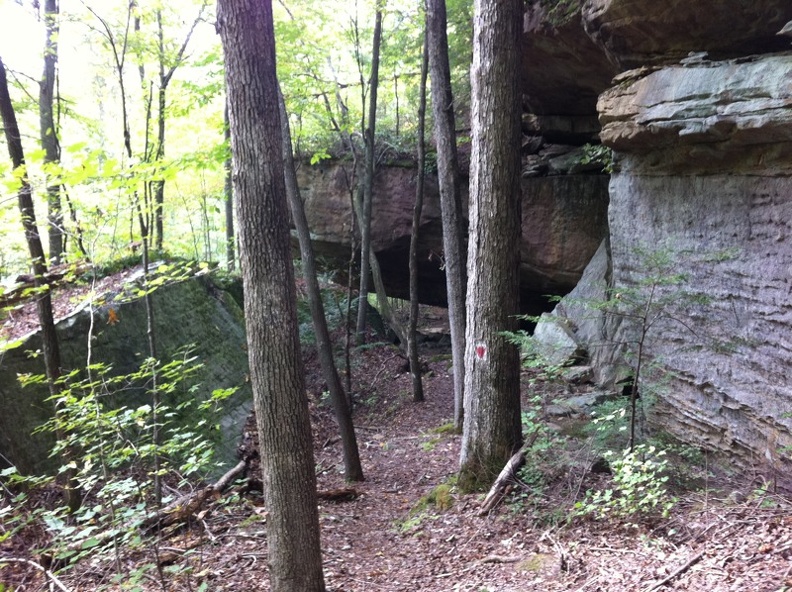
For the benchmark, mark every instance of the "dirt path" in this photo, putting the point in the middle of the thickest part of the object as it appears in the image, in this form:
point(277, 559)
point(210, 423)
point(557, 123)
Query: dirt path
point(402, 532)
point(396, 536)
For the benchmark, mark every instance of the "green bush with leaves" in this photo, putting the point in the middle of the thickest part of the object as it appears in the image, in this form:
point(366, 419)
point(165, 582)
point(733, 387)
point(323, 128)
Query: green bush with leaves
point(116, 446)
point(638, 487)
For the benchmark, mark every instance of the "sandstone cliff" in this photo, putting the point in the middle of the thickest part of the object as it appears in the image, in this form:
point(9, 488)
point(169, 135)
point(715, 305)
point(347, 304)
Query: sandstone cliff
point(700, 129)
point(564, 220)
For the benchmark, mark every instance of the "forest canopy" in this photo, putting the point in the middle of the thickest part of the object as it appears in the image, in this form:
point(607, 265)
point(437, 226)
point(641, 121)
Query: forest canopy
point(115, 60)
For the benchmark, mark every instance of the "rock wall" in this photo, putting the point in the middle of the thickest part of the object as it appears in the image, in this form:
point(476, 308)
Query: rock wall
point(192, 312)
point(564, 220)
point(635, 33)
point(703, 170)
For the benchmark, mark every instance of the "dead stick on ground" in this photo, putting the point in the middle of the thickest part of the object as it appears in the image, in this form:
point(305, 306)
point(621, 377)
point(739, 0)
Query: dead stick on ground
point(679, 571)
point(507, 474)
point(38, 566)
point(188, 505)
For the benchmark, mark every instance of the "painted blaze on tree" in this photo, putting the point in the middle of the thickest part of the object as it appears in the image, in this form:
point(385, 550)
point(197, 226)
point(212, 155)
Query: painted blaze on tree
point(246, 30)
point(492, 431)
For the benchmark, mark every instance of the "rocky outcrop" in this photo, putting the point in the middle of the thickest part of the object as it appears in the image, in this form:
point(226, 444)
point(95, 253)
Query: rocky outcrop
point(635, 33)
point(195, 312)
point(705, 170)
point(563, 72)
point(703, 173)
point(564, 191)
point(564, 220)
point(731, 117)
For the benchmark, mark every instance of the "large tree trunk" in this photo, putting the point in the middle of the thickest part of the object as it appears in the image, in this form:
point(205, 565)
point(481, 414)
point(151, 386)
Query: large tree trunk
point(49, 137)
point(492, 430)
point(368, 183)
point(285, 441)
point(450, 194)
point(352, 468)
point(49, 336)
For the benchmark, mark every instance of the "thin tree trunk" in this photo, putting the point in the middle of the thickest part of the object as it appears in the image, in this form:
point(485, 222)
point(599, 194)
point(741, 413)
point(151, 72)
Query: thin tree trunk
point(229, 200)
point(492, 431)
point(368, 182)
point(379, 288)
point(353, 470)
point(164, 80)
point(49, 336)
point(289, 479)
point(412, 342)
point(49, 131)
point(450, 195)
point(159, 185)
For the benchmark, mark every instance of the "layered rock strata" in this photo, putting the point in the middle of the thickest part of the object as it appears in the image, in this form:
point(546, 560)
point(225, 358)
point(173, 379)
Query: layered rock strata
point(704, 174)
point(635, 33)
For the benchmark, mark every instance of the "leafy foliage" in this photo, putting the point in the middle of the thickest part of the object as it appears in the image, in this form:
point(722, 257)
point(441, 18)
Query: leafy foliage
point(99, 416)
point(638, 486)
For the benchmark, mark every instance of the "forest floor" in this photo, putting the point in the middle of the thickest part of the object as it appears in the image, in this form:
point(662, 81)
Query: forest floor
point(407, 527)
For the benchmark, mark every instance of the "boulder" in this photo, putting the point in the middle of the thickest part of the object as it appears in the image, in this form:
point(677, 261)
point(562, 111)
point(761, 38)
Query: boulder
point(195, 312)
point(635, 33)
point(554, 341)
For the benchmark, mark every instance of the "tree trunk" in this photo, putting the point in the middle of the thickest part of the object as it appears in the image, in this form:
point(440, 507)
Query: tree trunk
point(289, 481)
point(49, 336)
point(492, 431)
point(159, 185)
point(164, 81)
point(412, 341)
point(368, 182)
point(352, 467)
point(450, 195)
point(229, 200)
point(49, 136)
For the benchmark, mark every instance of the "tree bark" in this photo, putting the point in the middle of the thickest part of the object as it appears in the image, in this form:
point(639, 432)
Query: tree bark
point(368, 182)
point(49, 336)
point(229, 200)
point(49, 136)
point(289, 481)
point(492, 431)
point(353, 470)
point(450, 194)
point(412, 341)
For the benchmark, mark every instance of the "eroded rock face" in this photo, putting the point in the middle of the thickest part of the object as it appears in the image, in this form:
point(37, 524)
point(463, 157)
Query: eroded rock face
point(709, 117)
point(564, 220)
point(636, 33)
point(563, 70)
point(704, 172)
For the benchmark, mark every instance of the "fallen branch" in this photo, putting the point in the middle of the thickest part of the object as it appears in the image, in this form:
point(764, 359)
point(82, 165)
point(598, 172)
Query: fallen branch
point(679, 571)
point(51, 576)
point(499, 559)
point(498, 490)
point(344, 494)
point(26, 284)
point(181, 509)
point(507, 476)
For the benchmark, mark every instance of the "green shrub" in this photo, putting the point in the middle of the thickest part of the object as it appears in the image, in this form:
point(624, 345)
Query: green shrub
point(638, 487)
